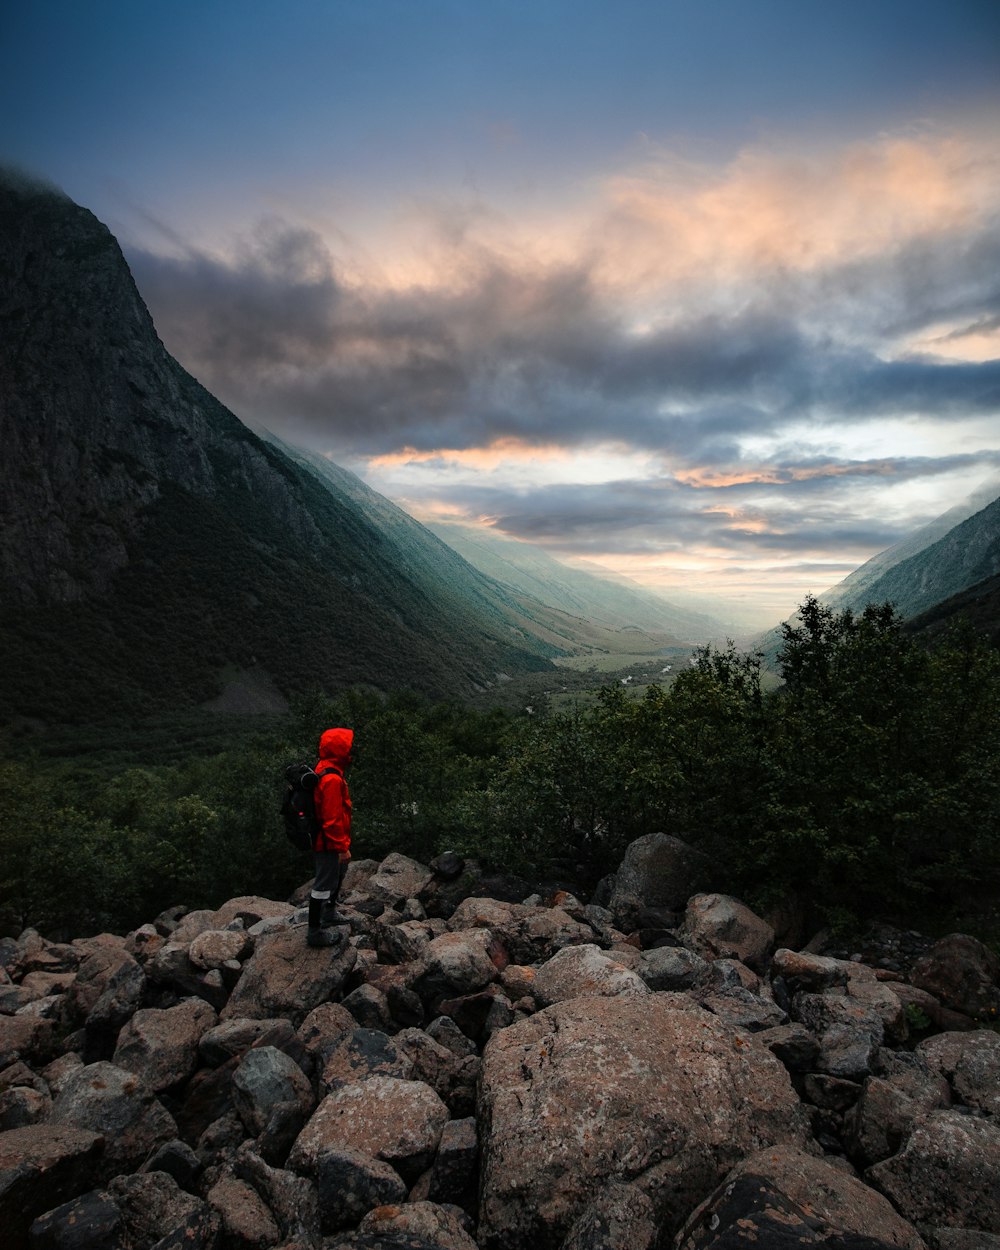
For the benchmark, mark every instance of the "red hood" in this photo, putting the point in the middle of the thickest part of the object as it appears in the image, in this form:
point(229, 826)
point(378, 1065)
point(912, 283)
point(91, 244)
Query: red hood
point(335, 746)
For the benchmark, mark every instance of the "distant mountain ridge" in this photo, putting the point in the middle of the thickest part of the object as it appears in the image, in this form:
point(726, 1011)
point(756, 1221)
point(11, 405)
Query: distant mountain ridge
point(527, 570)
point(150, 542)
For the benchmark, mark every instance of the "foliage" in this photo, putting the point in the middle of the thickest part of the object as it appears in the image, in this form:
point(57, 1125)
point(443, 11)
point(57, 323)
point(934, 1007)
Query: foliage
point(868, 784)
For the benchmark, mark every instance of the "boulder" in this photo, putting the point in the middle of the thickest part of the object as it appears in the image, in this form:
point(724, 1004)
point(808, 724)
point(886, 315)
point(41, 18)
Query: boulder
point(717, 926)
point(292, 1200)
point(41, 1167)
point(397, 879)
point(528, 933)
point(91, 1222)
point(152, 1206)
point(250, 909)
point(889, 1106)
point(360, 1054)
point(93, 976)
point(948, 1173)
point(119, 1105)
point(214, 947)
point(25, 1037)
point(231, 1038)
point(559, 1120)
point(406, 942)
point(657, 870)
point(672, 968)
point(456, 1165)
point(351, 1183)
point(397, 1121)
point(961, 973)
point(247, 1224)
point(577, 971)
point(370, 1007)
point(744, 1010)
point(117, 1004)
point(265, 1079)
point(321, 1028)
point(456, 964)
point(802, 970)
point(971, 1063)
point(849, 1034)
point(793, 1044)
point(285, 977)
point(161, 1044)
point(437, 1225)
point(619, 1218)
point(21, 1105)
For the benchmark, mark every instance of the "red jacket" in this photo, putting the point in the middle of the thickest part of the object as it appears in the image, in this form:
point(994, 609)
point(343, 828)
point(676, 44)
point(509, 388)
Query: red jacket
point(331, 797)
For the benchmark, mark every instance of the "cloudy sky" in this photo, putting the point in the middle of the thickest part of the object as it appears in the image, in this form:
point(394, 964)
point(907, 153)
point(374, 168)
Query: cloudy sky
point(706, 291)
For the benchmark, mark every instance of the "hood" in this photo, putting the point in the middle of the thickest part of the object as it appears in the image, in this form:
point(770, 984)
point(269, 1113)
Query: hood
point(335, 746)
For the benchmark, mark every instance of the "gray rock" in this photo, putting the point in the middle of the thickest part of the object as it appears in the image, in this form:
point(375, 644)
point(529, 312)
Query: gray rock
point(152, 1206)
point(285, 977)
point(849, 1034)
point(528, 934)
point(369, 1007)
point(971, 1063)
point(657, 871)
point(620, 1218)
point(360, 1054)
point(21, 1106)
point(962, 973)
point(224, 1041)
point(456, 1165)
point(889, 1106)
point(744, 1010)
point(793, 1044)
point(426, 1221)
point(397, 879)
point(351, 1183)
point(265, 1079)
point(292, 1200)
point(91, 1222)
point(247, 1224)
point(672, 968)
point(456, 964)
point(577, 971)
point(948, 1173)
point(41, 1167)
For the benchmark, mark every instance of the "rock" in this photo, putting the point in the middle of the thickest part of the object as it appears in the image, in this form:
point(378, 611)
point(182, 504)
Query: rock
point(292, 1200)
point(121, 1107)
point(406, 942)
point(170, 969)
point(448, 865)
point(459, 963)
point(197, 1232)
point(152, 1205)
point(369, 1007)
point(577, 971)
point(517, 980)
point(452, 1077)
point(213, 947)
point(620, 1218)
point(456, 1165)
point(231, 1038)
point(191, 925)
point(362, 1053)
point(717, 926)
point(265, 1079)
point(961, 973)
point(113, 1009)
point(444, 1030)
point(351, 1183)
point(528, 934)
point(672, 968)
point(93, 976)
point(247, 1224)
point(22, 1037)
point(948, 1173)
point(207, 1097)
point(161, 1045)
point(657, 871)
point(41, 1167)
point(177, 1160)
point(744, 1010)
point(21, 1106)
point(889, 1107)
point(250, 909)
point(321, 1028)
point(474, 1014)
point(793, 1044)
point(57, 1072)
point(558, 1122)
point(961, 1239)
point(397, 1121)
point(427, 1220)
point(398, 878)
point(882, 1000)
point(971, 1063)
point(849, 1033)
point(91, 1222)
point(804, 971)
point(285, 977)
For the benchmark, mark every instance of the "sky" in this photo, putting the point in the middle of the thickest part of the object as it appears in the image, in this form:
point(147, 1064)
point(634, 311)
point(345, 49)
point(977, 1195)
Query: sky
point(704, 291)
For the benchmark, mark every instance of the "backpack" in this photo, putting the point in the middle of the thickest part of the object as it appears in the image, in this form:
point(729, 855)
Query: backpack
point(297, 807)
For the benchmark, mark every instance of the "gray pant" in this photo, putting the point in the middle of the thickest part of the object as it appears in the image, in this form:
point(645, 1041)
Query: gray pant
point(330, 870)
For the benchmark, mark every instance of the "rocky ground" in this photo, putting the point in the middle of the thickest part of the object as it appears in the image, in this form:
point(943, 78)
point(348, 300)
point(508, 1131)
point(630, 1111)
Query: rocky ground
point(644, 1072)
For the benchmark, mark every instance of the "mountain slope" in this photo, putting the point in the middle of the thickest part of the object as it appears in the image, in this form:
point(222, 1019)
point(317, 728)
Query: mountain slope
point(149, 540)
point(527, 570)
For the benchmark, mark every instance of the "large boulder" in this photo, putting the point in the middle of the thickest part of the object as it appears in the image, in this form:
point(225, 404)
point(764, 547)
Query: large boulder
point(161, 1044)
point(119, 1105)
point(42, 1166)
point(397, 1121)
point(285, 977)
point(717, 926)
point(961, 973)
point(577, 971)
point(351, 1183)
point(657, 871)
point(880, 1121)
point(948, 1173)
point(672, 968)
point(265, 1079)
point(459, 963)
point(971, 1062)
point(115, 1007)
point(849, 1033)
point(398, 878)
point(575, 1097)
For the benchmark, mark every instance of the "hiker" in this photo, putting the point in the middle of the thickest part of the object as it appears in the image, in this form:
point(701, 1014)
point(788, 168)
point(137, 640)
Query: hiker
point(332, 848)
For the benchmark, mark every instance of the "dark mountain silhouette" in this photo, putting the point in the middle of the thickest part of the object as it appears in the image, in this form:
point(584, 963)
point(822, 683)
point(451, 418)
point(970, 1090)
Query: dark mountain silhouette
point(151, 544)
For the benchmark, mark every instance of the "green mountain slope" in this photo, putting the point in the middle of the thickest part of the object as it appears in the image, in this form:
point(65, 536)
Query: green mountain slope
point(150, 543)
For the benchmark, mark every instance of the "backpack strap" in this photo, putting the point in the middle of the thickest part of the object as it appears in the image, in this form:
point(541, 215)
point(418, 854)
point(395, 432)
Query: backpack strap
point(331, 768)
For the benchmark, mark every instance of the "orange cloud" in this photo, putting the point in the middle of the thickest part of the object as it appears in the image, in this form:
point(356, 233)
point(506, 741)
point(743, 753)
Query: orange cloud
point(500, 451)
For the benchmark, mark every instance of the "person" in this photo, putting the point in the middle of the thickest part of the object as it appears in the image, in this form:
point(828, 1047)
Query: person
point(332, 848)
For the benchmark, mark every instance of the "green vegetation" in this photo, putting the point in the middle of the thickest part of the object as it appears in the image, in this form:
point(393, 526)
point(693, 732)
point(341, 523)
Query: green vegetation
point(868, 784)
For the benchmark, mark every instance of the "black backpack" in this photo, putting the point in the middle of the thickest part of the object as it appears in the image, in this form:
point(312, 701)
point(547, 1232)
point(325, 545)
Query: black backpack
point(297, 808)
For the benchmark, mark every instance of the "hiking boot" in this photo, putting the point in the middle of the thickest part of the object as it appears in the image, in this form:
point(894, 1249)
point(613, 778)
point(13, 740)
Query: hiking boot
point(331, 917)
point(322, 937)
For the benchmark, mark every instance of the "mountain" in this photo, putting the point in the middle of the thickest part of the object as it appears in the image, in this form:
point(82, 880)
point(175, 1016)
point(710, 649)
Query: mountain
point(979, 605)
point(966, 553)
point(617, 603)
point(152, 546)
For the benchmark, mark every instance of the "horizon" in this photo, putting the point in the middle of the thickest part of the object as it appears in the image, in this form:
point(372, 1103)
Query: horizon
point(704, 295)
